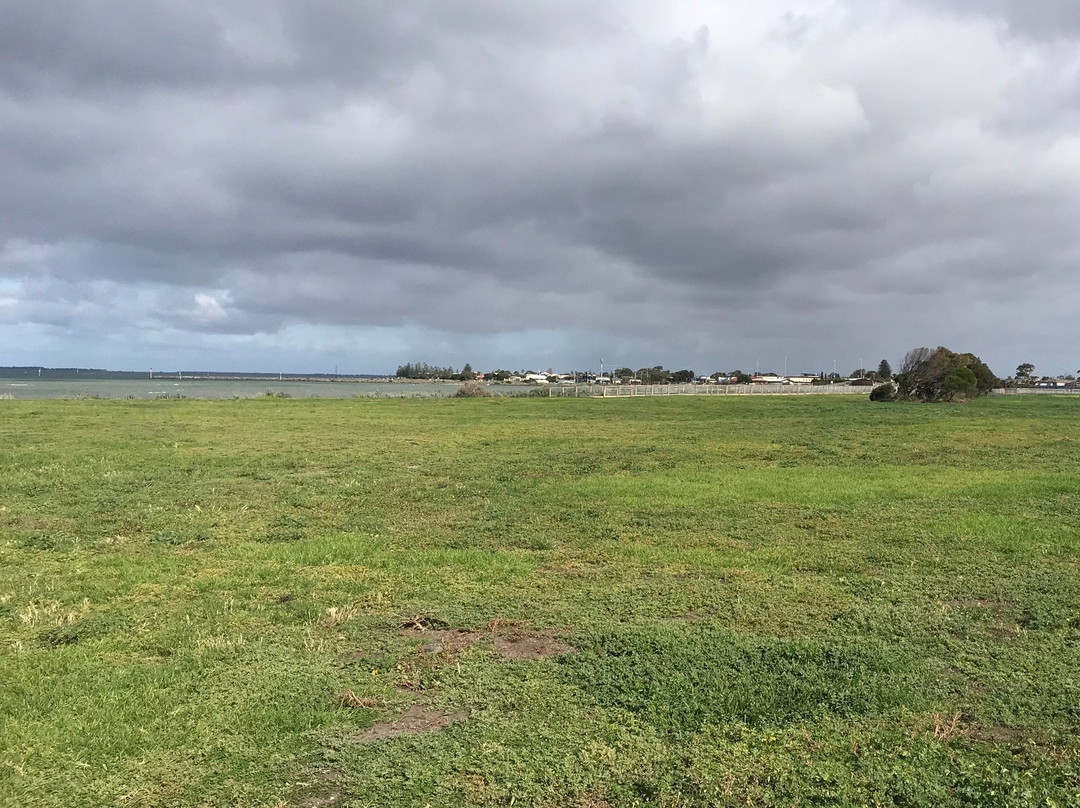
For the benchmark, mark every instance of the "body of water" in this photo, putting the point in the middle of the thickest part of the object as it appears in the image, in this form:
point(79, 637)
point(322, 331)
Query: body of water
point(228, 388)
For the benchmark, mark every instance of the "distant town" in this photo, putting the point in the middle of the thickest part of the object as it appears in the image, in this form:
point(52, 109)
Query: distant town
point(422, 372)
point(1024, 376)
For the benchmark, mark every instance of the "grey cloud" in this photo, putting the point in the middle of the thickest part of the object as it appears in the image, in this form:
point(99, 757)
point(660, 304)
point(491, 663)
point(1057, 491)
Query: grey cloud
point(481, 170)
point(1043, 19)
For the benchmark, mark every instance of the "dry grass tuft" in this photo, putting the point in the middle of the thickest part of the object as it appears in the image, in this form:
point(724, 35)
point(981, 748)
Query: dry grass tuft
point(349, 699)
point(423, 622)
point(336, 615)
point(947, 727)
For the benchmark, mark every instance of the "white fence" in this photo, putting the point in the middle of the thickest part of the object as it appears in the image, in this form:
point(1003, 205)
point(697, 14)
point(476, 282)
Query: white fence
point(618, 390)
point(1023, 391)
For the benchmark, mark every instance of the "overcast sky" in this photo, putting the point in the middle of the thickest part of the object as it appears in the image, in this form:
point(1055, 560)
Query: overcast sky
point(270, 185)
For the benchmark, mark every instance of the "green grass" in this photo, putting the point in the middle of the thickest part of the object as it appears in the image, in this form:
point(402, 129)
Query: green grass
point(775, 601)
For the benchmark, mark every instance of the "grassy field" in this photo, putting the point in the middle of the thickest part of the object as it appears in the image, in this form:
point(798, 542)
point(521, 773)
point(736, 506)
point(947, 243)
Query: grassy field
point(768, 601)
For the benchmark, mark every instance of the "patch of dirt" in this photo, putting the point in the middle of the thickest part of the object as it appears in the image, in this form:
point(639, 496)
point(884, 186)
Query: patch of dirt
point(320, 788)
point(1016, 739)
point(1009, 736)
point(513, 645)
point(1000, 627)
point(415, 720)
point(320, 802)
point(535, 646)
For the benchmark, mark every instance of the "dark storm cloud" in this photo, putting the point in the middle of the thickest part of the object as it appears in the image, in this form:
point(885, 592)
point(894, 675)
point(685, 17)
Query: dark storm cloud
point(686, 182)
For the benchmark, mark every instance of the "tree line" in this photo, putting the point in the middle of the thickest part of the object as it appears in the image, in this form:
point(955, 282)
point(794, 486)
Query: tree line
point(422, 370)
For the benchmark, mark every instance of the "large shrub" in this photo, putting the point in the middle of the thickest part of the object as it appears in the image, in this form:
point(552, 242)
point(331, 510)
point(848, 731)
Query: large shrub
point(883, 392)
point(943, 375)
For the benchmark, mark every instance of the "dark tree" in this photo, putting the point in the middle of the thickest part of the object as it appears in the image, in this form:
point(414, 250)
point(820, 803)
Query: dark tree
point(1024, 371)
point(961, 382)
point(682, 376)
point(884, 370)
point(653, 375)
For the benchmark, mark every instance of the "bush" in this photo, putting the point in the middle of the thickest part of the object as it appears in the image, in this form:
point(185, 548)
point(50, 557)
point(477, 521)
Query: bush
point(884, 392)
point(473, 390)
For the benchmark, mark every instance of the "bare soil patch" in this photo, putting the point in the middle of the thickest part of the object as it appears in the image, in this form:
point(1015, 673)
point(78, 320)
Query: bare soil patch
point(948, 727)
point(1010, 736)
point(999, 627)
point(510, 644)
point(417, 719)
point(320, 802)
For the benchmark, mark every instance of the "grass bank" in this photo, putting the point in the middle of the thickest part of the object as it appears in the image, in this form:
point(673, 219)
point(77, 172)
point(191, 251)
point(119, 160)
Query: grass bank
point(770, 601)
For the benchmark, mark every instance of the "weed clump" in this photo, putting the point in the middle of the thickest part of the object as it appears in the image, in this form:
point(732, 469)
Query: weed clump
point(283, 529)
point(88, 628)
